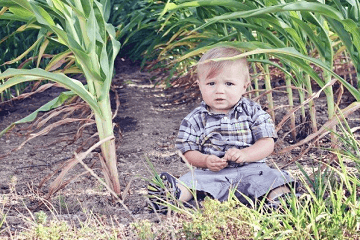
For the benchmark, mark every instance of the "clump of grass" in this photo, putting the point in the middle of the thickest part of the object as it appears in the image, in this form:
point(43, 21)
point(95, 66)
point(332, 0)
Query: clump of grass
point(143, 229)
point(217, 220)
point(92, 228)
point(50, 224)
point(167, 228)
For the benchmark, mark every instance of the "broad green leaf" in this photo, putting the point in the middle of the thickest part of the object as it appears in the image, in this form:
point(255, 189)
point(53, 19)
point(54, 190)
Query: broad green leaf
point(268, 35)
point(24, 75)
point(290, 54)
point(298, 6)
point(354, 29)
point(20, 11)
point(102, 37)
point(41, 15)
point(89, 64)
point(106, 8)
point(111, 55)
point(229, 3)
point(324, 47)
point(91, 30)
point(12, 17)
point(86, 6)
point(22, 3)
point(347, 41)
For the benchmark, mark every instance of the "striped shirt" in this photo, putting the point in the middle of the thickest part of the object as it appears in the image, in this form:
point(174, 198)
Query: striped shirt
point(212, 133)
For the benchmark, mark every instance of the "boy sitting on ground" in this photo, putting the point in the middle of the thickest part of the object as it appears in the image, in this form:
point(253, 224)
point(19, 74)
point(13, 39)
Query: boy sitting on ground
point(226, 138)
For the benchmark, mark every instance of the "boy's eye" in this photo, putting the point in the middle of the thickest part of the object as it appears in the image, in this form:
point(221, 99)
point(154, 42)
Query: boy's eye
point(211, 83)
point(229, 84)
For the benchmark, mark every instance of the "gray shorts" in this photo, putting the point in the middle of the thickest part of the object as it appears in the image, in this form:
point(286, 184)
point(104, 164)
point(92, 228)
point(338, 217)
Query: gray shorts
point(253, 180)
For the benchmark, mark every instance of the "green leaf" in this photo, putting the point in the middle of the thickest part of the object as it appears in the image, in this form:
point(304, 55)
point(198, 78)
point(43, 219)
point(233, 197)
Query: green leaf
point(24, 75)
point(289, 54)
point(20, 11)
point(41, 15)
point(22, 3)
point(298, 6)
point(229, 3)
point(86, 6)
point(261, 30)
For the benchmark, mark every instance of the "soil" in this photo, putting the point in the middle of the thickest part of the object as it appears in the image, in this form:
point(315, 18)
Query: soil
point(147, 124)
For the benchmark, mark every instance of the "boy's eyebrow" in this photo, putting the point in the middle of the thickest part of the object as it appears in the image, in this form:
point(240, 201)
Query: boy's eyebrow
point(226, 79)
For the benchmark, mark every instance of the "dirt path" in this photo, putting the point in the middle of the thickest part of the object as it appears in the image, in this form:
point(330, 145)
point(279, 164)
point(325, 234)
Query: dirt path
point(148, 131)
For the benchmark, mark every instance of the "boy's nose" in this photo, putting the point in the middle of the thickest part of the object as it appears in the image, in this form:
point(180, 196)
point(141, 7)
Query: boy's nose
point(220, 88)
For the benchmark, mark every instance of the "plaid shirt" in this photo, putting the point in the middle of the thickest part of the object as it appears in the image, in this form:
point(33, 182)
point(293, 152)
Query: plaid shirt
point(214, 134)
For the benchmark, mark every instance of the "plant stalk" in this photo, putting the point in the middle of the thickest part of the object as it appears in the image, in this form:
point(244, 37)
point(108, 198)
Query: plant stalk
point(312, 109)
point(268, 88)
point(108, 149)
point(291, 105)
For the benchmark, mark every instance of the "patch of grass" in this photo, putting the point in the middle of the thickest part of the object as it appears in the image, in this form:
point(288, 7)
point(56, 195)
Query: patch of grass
point(217, 220)
point(329, 209)
point(333, 212)
point(92, 228)
point(143, 229)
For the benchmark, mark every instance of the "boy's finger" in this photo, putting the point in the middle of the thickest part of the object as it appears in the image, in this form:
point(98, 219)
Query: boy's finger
point(231, 158)
point(227, 157)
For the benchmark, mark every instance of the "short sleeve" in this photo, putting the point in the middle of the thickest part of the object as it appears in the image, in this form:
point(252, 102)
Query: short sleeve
point(188, 137)
point(262, 125)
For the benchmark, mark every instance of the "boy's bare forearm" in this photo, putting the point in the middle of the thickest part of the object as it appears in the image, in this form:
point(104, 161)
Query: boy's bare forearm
point(196, 158)
point(259, 150)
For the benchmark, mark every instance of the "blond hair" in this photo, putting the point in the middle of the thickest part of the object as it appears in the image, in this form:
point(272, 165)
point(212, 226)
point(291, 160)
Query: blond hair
point(208, 69)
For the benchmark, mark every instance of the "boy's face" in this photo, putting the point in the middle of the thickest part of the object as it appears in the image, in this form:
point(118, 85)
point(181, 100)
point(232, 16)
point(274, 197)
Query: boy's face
point(223, 90)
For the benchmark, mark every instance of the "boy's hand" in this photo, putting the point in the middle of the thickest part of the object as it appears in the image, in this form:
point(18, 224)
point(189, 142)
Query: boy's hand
point(235, 155)
point(215, 163)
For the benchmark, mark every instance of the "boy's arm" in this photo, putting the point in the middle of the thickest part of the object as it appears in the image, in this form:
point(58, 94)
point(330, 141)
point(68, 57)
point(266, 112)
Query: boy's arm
point(201, 160)
point(259, 150)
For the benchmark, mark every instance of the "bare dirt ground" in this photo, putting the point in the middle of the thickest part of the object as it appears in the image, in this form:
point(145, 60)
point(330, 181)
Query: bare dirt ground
point(148, 123)
point(148, 131)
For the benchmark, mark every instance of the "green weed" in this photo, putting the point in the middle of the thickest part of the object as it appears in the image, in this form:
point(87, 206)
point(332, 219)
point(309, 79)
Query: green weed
point(143, 229)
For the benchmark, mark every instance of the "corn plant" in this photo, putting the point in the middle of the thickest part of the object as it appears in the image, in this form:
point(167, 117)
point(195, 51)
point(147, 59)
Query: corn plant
point(297, 33)
point(81, 27)
point(304, 26)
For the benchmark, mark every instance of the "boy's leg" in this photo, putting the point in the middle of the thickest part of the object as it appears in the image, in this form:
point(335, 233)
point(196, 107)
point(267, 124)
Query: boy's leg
point(277, 192)
point(185, 194)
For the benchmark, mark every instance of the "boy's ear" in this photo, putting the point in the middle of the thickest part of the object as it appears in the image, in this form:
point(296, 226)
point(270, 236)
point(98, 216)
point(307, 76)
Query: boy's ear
point(197, 81)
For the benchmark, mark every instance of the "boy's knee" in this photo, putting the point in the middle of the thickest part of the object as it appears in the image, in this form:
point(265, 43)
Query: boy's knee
point(276, 192)
point(185, 194)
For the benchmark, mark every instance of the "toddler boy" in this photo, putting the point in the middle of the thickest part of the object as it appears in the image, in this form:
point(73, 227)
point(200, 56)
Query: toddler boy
point(227, 137)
